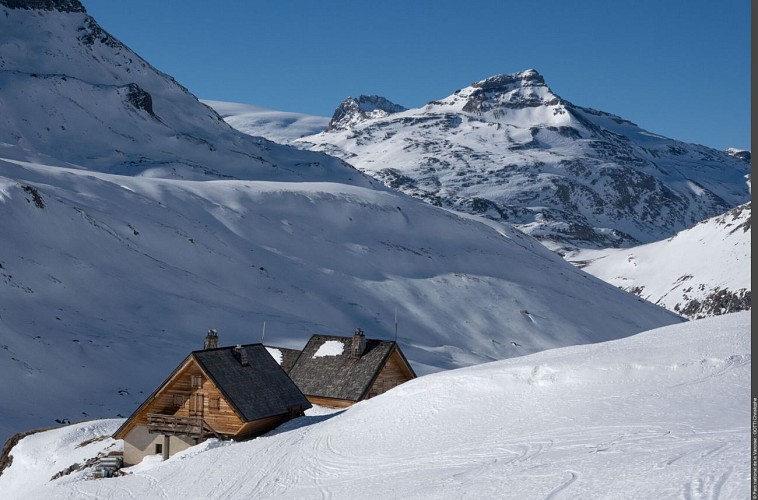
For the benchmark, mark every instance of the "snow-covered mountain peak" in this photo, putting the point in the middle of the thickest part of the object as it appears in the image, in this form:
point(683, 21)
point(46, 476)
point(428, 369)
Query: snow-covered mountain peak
point(74, 96)
point(366, 107)
point(510, 148)
point(499, 98)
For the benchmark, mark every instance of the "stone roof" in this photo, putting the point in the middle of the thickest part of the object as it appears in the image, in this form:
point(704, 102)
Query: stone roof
point(284, 356)
point(258, 389)
point(339, 376)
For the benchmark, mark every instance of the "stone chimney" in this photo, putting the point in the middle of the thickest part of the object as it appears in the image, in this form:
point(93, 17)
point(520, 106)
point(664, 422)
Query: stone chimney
point(359, 344)
point(241, 354)
point(211, 340)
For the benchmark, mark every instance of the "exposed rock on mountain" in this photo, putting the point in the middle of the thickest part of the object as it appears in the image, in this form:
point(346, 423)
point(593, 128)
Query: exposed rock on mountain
point(58, 5)
point(739, 153)
point(701, 271)
point(353, 111)
point(511, 149)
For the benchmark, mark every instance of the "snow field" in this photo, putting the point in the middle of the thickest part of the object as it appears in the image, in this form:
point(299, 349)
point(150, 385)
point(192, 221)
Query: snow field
point(663, 414)
point(695, 263)
point(124, 275)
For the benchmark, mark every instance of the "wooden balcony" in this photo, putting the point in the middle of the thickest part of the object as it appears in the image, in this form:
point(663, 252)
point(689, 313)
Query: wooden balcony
point(176, 425)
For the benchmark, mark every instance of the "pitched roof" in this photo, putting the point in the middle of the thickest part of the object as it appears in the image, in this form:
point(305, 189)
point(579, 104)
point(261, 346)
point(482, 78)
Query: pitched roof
point(284, 356)
point(338, 376)
point(257, 390)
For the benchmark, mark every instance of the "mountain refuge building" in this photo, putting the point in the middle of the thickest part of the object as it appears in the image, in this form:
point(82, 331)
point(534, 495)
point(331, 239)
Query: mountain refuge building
point(228, 393)
point(337, 372)
point(244, 391)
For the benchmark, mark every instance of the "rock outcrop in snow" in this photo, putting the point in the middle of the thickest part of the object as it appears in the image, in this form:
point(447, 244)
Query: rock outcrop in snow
point(366, 107)
point(701, 271)
point(56, 5)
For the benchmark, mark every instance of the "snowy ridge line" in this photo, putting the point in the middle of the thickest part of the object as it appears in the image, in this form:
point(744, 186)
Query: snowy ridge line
point(512, 150)
point(701, 271)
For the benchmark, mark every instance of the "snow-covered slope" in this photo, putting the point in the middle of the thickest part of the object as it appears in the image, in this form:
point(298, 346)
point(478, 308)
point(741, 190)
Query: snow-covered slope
point(510, 148)
point(107, 282)
point(664, 414)
point(278, 126)
point(702, 271)
point(72, 95)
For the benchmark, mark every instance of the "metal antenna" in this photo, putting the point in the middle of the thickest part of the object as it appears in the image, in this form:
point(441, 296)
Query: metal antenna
point(263, 335)
point(395, 324)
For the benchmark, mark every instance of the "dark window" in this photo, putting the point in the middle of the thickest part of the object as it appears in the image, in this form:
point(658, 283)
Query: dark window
point(158, 449)
point(179, 400)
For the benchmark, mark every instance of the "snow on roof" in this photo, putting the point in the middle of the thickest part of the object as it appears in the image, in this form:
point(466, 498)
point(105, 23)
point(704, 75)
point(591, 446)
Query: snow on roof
point(330, 348)
point(325, 369)
point(276, 354)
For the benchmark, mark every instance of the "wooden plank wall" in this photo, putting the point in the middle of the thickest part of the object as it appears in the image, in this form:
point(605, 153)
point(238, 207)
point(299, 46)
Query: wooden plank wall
point(224, 420)
point(393, 374)
point(256, 427)
point(329, 402)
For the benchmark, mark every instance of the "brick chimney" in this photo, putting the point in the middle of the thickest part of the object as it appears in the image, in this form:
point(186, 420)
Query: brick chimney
point(359, 344)
point(211, 340)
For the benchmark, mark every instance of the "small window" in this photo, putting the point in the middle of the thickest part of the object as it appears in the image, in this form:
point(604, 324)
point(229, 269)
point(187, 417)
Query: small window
point(179, 400)
point(158, 448)
point(197, 381)
point(214, 403)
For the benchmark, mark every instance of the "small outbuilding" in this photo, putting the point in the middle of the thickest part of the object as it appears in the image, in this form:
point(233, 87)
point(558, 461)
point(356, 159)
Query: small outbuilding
point(337, 372)
point(229, 393)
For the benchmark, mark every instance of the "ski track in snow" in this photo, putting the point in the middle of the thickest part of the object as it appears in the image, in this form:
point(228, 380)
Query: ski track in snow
point(663, 414)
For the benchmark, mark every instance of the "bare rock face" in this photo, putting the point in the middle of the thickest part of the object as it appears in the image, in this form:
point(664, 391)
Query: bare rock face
point(139, 98)
point(365, 107)
point(517, 90)
point(739, 153)
point(57, 5)
point(716, 303)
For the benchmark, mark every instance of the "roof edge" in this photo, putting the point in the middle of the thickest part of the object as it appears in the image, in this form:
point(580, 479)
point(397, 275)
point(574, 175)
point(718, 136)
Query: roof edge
point(148, 399)
point(383, 363)
point(228, 399)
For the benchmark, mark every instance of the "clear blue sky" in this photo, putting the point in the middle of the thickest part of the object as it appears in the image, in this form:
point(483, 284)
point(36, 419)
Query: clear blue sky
point(680, 68)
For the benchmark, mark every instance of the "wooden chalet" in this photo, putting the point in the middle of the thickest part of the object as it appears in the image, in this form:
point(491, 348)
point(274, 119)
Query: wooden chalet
point(229, 393)
point(337, 372)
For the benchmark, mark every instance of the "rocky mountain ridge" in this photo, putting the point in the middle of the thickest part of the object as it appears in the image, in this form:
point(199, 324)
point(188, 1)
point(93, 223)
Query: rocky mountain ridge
point(510, 149)
point(65, 79)
point(56, 5)
point(355, 110)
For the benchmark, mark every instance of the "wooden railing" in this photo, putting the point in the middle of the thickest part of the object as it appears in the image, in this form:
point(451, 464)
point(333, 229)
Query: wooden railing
point(179, 425)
